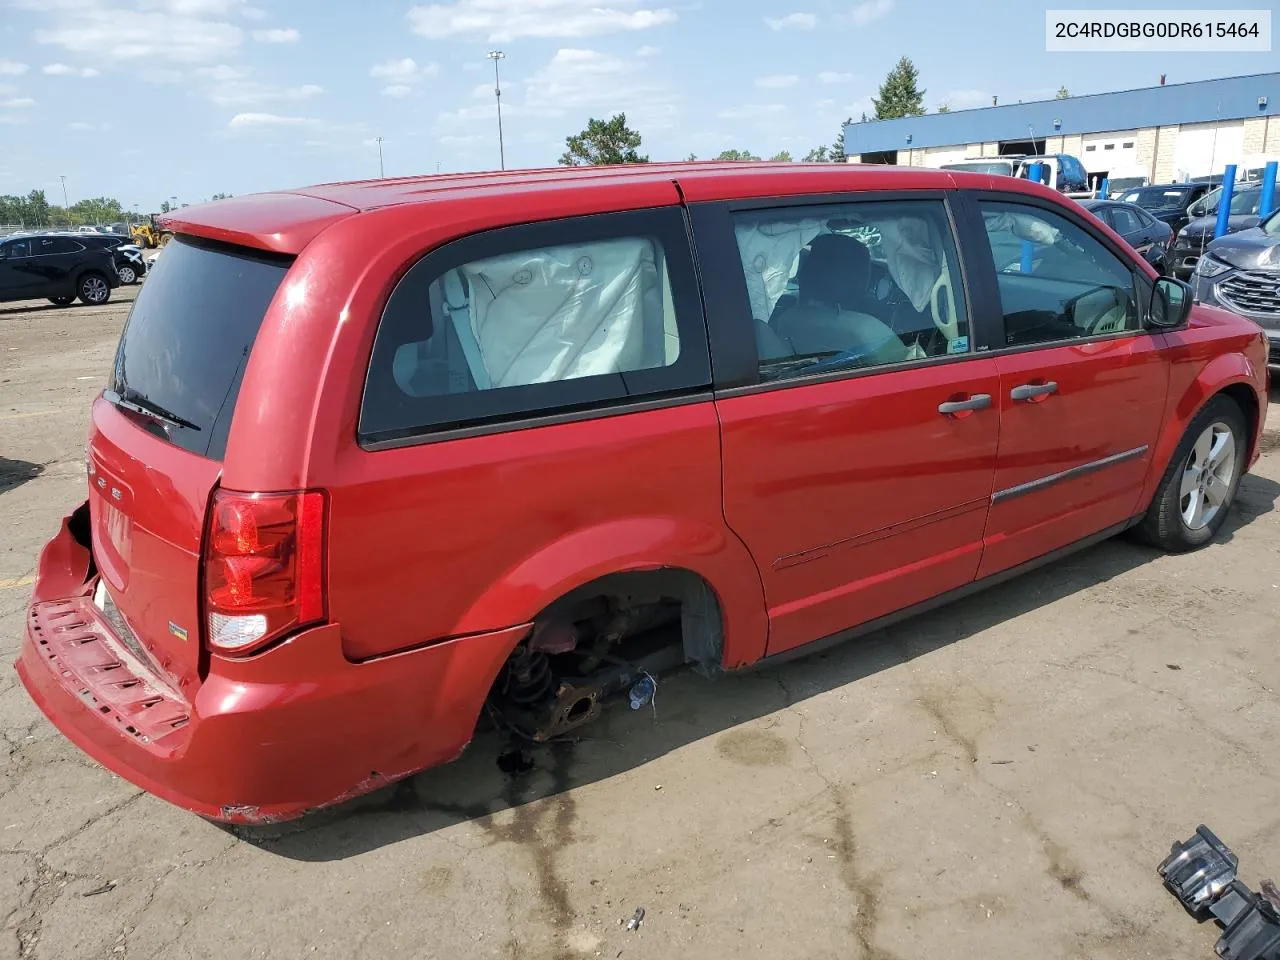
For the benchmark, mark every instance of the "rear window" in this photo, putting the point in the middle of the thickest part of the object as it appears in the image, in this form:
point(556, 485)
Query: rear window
point(188, 337)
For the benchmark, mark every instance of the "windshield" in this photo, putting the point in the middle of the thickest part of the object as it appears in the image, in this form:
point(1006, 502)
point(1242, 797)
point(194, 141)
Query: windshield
point(1002, 167)
point(1271, 226)
point(188, 337)
point(1157, 198)
point(1246, 203)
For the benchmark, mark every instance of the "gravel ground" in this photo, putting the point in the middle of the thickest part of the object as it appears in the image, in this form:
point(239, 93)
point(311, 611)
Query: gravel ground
point(996, 779)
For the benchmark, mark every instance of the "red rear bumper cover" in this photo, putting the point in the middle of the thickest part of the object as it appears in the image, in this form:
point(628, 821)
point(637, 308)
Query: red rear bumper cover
point(267, 738)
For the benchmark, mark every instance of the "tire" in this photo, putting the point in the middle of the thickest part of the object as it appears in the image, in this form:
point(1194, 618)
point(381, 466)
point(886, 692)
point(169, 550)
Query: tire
point(93, 290)
point(1172, 522)
point(128, 275)
point(62, 301)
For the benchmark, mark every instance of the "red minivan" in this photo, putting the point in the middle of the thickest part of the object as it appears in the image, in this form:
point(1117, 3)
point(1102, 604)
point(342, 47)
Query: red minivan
point(378, 460)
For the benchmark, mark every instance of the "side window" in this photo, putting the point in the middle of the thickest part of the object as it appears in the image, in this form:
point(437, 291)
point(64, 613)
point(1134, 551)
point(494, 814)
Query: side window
point(1126, 222)
point(62, 245)
point(1056, 281)
point(851, 285)
point(18, 248)
point(538, 319)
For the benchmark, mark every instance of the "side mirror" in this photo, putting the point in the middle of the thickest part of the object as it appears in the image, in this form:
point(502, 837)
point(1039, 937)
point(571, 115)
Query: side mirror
point(1170, 304)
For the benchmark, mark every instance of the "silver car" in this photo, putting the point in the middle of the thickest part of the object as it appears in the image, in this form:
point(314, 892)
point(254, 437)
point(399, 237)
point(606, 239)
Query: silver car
point(1241, 272)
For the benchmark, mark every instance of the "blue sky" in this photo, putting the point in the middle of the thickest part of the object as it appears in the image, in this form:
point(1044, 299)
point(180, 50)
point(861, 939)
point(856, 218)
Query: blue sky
point(149, 99)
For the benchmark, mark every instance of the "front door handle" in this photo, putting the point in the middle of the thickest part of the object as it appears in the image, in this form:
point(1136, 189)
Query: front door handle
point(979, 401)
point(1033, 391)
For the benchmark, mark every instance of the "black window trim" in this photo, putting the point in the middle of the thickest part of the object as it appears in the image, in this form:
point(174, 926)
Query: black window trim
point(686, 381)
point(969, 201)
point(734, 358)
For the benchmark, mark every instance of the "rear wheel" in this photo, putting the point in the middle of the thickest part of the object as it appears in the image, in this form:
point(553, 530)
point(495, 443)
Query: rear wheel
point(93, 289)
point(1197, 490)
point(127, 274)
point(62, 301)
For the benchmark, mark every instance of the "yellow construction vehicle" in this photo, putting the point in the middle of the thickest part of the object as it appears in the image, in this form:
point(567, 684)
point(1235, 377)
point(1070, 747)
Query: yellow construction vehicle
point(150, 234)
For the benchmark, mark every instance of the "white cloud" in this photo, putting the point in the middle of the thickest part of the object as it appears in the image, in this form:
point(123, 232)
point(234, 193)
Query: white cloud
point(253, 13)
point(871, 10)
point(792, 21)
point(16, 102)
point(648, 51)
point(397, 90)
point(222, 72)
point(453, 140)
point(472, 65)
point(964, 99)
point(62, 70)
point(79, 125)
point(586, 78)
point(501, 21)
point(277, 35)
point(752, 111)
point(12, 69)
point(779, 81)
point(404, 71)
point(833, 76)
point(250, 92)
point(141, 35)
point(270, 120)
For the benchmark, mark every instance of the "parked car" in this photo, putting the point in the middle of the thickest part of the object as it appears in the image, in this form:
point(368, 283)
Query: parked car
point(1059, 171)
point(1191, 240)
point(1241, 272)
point(1168, 202)
point(130, 264)
point(1118, 186)
point(58, 268)
point(375, 459)
point(1150, 237)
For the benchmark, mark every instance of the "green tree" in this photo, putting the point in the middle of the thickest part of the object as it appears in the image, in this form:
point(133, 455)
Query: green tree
point(1063, 94)
point(734, 155)
point(899, 95)
point(817, 155)
point(944, 107)
point(691, 158)
point(164, 206)
point(221, 196)
point(837, 154)
point(782, 156)
point(603, 142)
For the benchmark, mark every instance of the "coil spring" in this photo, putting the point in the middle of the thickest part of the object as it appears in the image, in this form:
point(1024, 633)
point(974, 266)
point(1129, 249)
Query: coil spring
point(529, 678)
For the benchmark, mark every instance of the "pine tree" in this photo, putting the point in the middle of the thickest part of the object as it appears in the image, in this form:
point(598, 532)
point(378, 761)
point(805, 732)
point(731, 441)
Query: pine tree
point(837, 154)
point(899, 95)
point(1063, 93)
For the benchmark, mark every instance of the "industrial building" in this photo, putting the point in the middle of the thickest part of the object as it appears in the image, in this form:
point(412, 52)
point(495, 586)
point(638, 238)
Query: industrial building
point(1165, 133)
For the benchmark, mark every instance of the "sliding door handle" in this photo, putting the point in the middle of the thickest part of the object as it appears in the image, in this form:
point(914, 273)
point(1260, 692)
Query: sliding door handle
point(1033, 391)
point(979, 401)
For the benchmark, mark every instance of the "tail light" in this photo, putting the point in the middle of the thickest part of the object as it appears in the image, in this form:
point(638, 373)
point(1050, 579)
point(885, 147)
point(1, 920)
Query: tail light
point(263, 567)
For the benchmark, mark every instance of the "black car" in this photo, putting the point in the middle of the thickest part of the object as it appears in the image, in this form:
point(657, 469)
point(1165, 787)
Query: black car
point(1142, 231)
point(1167, 202)
point(59, 268)
point(1241, 272)
point(130, 263)
point(1196, 235)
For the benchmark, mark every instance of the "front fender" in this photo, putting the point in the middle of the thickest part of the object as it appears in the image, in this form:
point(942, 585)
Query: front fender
point(1186, 399)
point(635, 544)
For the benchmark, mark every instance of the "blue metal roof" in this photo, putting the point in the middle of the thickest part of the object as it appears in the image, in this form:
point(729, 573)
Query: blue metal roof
point(1230, 98)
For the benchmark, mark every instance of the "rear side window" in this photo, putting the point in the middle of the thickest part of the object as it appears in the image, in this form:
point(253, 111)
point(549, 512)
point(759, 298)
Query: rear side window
point(188, 337)
point(60, 245)
point(538, 319)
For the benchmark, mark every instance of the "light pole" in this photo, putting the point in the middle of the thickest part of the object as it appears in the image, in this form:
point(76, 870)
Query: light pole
point(64, 192)
point(381, 172)
point(495, 56)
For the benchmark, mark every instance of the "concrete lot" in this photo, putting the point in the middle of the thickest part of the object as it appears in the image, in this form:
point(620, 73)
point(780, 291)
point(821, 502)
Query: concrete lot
point(997, 779)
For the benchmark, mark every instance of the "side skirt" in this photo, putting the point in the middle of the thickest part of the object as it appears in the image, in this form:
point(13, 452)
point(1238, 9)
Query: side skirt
point(862, 629)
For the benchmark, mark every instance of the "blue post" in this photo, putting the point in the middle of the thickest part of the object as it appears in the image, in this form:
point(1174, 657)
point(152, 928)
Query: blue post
point(1268, 189)
point(1224, 202)
point(1104, 189)
point(1025, 263)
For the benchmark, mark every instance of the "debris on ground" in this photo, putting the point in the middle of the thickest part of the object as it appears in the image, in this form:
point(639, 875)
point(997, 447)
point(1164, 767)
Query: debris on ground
point(636, 920)
point(1201, 873)
point(105, 888)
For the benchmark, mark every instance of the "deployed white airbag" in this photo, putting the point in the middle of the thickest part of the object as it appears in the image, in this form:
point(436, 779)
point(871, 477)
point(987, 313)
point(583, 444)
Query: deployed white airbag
point(557, 313)
point(1021, 225)
point(770, 251)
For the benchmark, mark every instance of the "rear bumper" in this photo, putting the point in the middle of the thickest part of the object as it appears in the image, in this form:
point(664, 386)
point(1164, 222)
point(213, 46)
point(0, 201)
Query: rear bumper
point(269, 738)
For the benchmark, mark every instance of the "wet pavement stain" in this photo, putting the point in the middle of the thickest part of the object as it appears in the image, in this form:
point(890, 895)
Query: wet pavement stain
point(753, 748)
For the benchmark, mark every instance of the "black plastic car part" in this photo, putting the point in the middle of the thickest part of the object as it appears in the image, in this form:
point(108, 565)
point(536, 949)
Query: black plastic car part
point(1201, 873)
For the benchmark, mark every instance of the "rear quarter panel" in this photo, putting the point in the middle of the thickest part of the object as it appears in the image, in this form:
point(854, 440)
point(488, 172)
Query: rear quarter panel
point(465, 536)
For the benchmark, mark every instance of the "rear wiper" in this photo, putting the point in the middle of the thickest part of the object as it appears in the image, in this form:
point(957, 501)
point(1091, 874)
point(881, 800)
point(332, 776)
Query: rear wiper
point(138, 403)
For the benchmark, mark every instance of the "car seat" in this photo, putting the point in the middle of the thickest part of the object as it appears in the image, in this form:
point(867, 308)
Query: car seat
point(832, 285)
